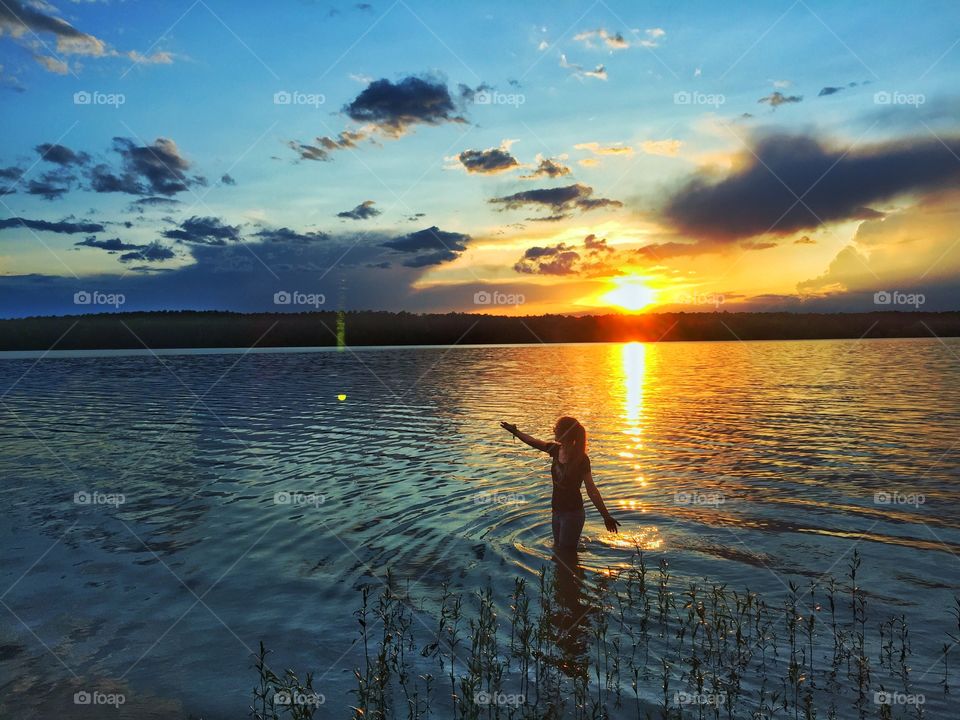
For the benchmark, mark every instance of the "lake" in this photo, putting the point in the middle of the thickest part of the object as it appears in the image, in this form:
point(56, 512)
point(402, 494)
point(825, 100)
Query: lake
point(165, 513)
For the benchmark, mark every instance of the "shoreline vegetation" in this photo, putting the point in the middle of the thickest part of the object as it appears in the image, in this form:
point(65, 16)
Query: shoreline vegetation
point(217, 329)
point(632, 642)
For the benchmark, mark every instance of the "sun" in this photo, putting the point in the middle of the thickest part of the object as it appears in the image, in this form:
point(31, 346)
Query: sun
point(630, 293)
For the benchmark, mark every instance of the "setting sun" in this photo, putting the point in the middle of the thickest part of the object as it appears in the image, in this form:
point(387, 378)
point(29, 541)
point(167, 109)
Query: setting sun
point(630, 293)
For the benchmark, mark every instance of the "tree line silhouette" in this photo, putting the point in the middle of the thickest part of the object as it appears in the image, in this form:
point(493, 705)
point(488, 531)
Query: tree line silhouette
point(215, 329)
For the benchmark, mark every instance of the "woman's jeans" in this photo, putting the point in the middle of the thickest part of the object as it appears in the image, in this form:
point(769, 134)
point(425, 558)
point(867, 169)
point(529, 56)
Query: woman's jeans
point(567, 527)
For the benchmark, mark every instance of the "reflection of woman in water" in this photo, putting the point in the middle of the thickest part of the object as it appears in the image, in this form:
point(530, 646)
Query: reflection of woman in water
point(570, 468)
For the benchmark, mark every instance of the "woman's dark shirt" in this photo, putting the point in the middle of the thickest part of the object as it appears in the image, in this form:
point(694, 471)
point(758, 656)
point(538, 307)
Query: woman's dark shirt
point(567, 478)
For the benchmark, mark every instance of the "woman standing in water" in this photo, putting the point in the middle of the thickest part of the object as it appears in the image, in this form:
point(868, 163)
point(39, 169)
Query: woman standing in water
point(570, 468)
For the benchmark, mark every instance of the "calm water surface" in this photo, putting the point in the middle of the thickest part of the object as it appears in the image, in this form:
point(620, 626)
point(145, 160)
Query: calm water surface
point(400, 464)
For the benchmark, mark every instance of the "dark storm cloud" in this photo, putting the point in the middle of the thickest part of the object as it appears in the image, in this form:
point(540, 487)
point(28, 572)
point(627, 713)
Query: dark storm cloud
point(52, 185)
point(395, 107)
point(63, 226)
point(286, 235)
point(363, 211)
point(204, 231)
point(493, 160)
point(835, 184)
point(548, 167)
point(154, 252)
point(111, 245)
point(777, 98)
point(560, 200)
point(431, 246)
point(155, 169)
point(61, 154)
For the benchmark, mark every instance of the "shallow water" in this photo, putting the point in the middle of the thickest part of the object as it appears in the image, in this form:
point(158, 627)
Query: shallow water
point(747, 463)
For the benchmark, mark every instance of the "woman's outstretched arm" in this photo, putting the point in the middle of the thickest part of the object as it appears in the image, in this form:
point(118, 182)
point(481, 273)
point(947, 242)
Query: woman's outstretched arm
point(528, 439)
point(597, 500)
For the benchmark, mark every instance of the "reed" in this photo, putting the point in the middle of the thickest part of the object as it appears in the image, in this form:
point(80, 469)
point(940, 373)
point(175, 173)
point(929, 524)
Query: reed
point(586, 649)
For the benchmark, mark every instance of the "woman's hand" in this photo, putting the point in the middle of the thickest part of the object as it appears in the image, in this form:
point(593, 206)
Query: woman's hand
point(610, 523)
point(509, 427)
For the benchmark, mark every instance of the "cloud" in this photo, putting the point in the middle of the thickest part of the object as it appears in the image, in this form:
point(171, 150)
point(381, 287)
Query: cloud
point(835, 183)
point(393, 108)
point(63, 226)
point(227, 179)
point(151, 253)
point(111, 245)
point(593, 258)
point(204, 231)
point(667, 148)
point(548, 167)
point(52, 185)
point(579, 72)
point(777, 98)
point(613, 41)
point(488, 162)
point(286, 235)
point(804, 240)
point(363, 211)
point(598, 149)
point(24, 22)
point(153, 202)
point(829, 91)
point(431, 246)
point(322, 146)
point(561, 200)
point(61, 154)
point(155, 169)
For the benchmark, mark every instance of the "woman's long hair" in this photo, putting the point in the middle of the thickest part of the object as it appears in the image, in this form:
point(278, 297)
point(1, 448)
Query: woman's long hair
point(571, 434)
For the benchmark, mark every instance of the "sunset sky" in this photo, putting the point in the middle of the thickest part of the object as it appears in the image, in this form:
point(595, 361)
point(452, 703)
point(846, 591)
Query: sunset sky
point(484, 157)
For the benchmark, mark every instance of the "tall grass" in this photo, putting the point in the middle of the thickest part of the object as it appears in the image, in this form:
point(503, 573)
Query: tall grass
point(629, 643)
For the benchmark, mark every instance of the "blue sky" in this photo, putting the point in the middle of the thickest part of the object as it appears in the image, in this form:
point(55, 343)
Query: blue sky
point(680, 131)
